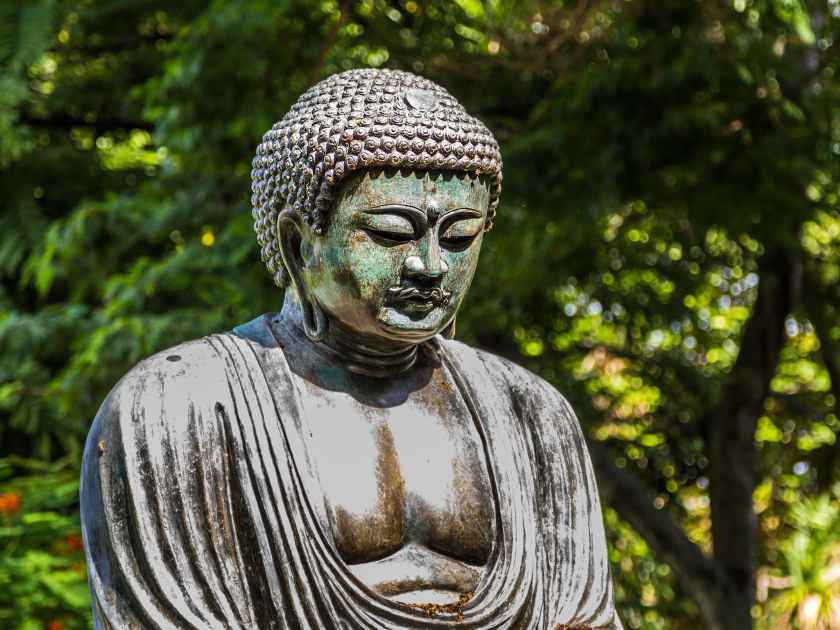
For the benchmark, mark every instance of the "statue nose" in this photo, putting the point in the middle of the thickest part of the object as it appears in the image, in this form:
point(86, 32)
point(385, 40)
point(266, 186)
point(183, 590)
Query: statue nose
point(434, 268)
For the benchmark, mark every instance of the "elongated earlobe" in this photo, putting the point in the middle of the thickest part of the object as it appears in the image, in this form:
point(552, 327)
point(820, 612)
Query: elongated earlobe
point(314, 321)
point(449, 331)
point(289, 236)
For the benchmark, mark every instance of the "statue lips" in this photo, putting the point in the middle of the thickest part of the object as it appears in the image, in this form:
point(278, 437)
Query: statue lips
point(418, 299)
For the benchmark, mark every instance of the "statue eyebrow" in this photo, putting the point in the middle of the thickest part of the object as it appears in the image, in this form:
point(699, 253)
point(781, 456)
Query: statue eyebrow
point(459, 214)
point(469, 213)
point(415, 215)
point(420, 219)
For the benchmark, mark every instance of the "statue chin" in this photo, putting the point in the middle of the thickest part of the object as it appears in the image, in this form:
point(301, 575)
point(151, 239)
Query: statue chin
point(411, 326)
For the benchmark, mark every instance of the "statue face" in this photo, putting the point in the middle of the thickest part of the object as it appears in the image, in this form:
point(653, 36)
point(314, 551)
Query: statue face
point(399, 252)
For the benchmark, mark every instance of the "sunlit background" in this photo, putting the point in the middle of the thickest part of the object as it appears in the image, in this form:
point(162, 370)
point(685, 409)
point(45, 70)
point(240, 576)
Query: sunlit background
point(667, 253)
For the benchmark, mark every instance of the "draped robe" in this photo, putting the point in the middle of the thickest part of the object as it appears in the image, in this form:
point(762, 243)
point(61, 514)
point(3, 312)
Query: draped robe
point(198, 501)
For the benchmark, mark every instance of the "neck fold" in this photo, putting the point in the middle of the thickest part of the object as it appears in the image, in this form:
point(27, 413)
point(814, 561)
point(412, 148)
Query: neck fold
point(360, 354)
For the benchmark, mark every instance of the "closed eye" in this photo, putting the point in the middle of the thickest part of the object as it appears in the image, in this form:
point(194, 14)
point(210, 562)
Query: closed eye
point(391, 225)
point(388, 238)
point(457, 243)
point(460, 229)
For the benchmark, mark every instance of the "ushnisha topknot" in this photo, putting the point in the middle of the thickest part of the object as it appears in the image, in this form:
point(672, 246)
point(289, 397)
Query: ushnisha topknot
point(360, 120)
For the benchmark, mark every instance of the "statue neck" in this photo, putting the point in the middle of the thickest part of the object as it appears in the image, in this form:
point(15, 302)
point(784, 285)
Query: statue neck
point(361, 354)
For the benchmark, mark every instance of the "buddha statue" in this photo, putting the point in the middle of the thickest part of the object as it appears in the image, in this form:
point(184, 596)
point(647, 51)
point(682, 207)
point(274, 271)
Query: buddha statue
point(343, 463)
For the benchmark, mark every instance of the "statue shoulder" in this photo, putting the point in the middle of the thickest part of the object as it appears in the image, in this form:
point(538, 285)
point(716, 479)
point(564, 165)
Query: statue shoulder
point(526, 389)
point(168, 388)
point(186, 367)
point(504, 369)
point(183, 387)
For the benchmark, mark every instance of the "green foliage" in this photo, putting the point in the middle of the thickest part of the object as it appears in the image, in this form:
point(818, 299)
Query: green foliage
point(810, 582)
point(655, 154)
point(42, 571)
point(645, 591)
point(25, 35)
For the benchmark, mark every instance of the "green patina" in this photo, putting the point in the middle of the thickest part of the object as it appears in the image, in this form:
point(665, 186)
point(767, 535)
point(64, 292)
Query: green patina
point(383, 225)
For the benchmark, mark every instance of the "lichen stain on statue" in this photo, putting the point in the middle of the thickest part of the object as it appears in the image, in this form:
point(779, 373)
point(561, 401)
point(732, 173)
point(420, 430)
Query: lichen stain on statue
point(343, 463)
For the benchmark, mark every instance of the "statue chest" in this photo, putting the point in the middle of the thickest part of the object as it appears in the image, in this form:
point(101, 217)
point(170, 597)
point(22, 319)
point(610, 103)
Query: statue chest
point(398, 477)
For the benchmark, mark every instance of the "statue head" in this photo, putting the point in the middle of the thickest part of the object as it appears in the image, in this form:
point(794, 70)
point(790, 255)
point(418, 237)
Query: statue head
point(371, 198)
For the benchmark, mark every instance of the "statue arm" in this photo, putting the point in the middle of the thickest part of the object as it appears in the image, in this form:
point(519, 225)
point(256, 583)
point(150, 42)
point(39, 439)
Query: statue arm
point(570, 516)
point(600, 607)
point(567, 458)
point(156, 502)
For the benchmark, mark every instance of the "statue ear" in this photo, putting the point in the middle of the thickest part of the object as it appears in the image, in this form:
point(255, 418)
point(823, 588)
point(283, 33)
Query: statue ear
point(290, 235)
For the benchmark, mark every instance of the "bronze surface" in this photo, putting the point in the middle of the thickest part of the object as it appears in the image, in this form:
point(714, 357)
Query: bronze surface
point(343, 464)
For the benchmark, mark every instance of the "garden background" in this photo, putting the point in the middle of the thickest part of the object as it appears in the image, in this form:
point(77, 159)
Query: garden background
point(667, 253)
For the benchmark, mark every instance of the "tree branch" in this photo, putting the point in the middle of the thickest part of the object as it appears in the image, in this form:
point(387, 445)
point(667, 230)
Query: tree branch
point(113, 46)
point(696, 573)
point(332, 36)
point(65, 121)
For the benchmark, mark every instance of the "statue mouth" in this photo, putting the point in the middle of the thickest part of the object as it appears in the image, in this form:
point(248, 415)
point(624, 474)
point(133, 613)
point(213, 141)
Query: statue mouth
point(417, 299)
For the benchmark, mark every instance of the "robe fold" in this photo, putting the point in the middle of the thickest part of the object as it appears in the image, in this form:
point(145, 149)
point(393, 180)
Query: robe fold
point(198, 501)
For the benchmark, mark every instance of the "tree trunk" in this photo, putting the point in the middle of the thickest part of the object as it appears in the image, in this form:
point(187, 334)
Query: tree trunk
point(722, 586)
point(733, 456)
